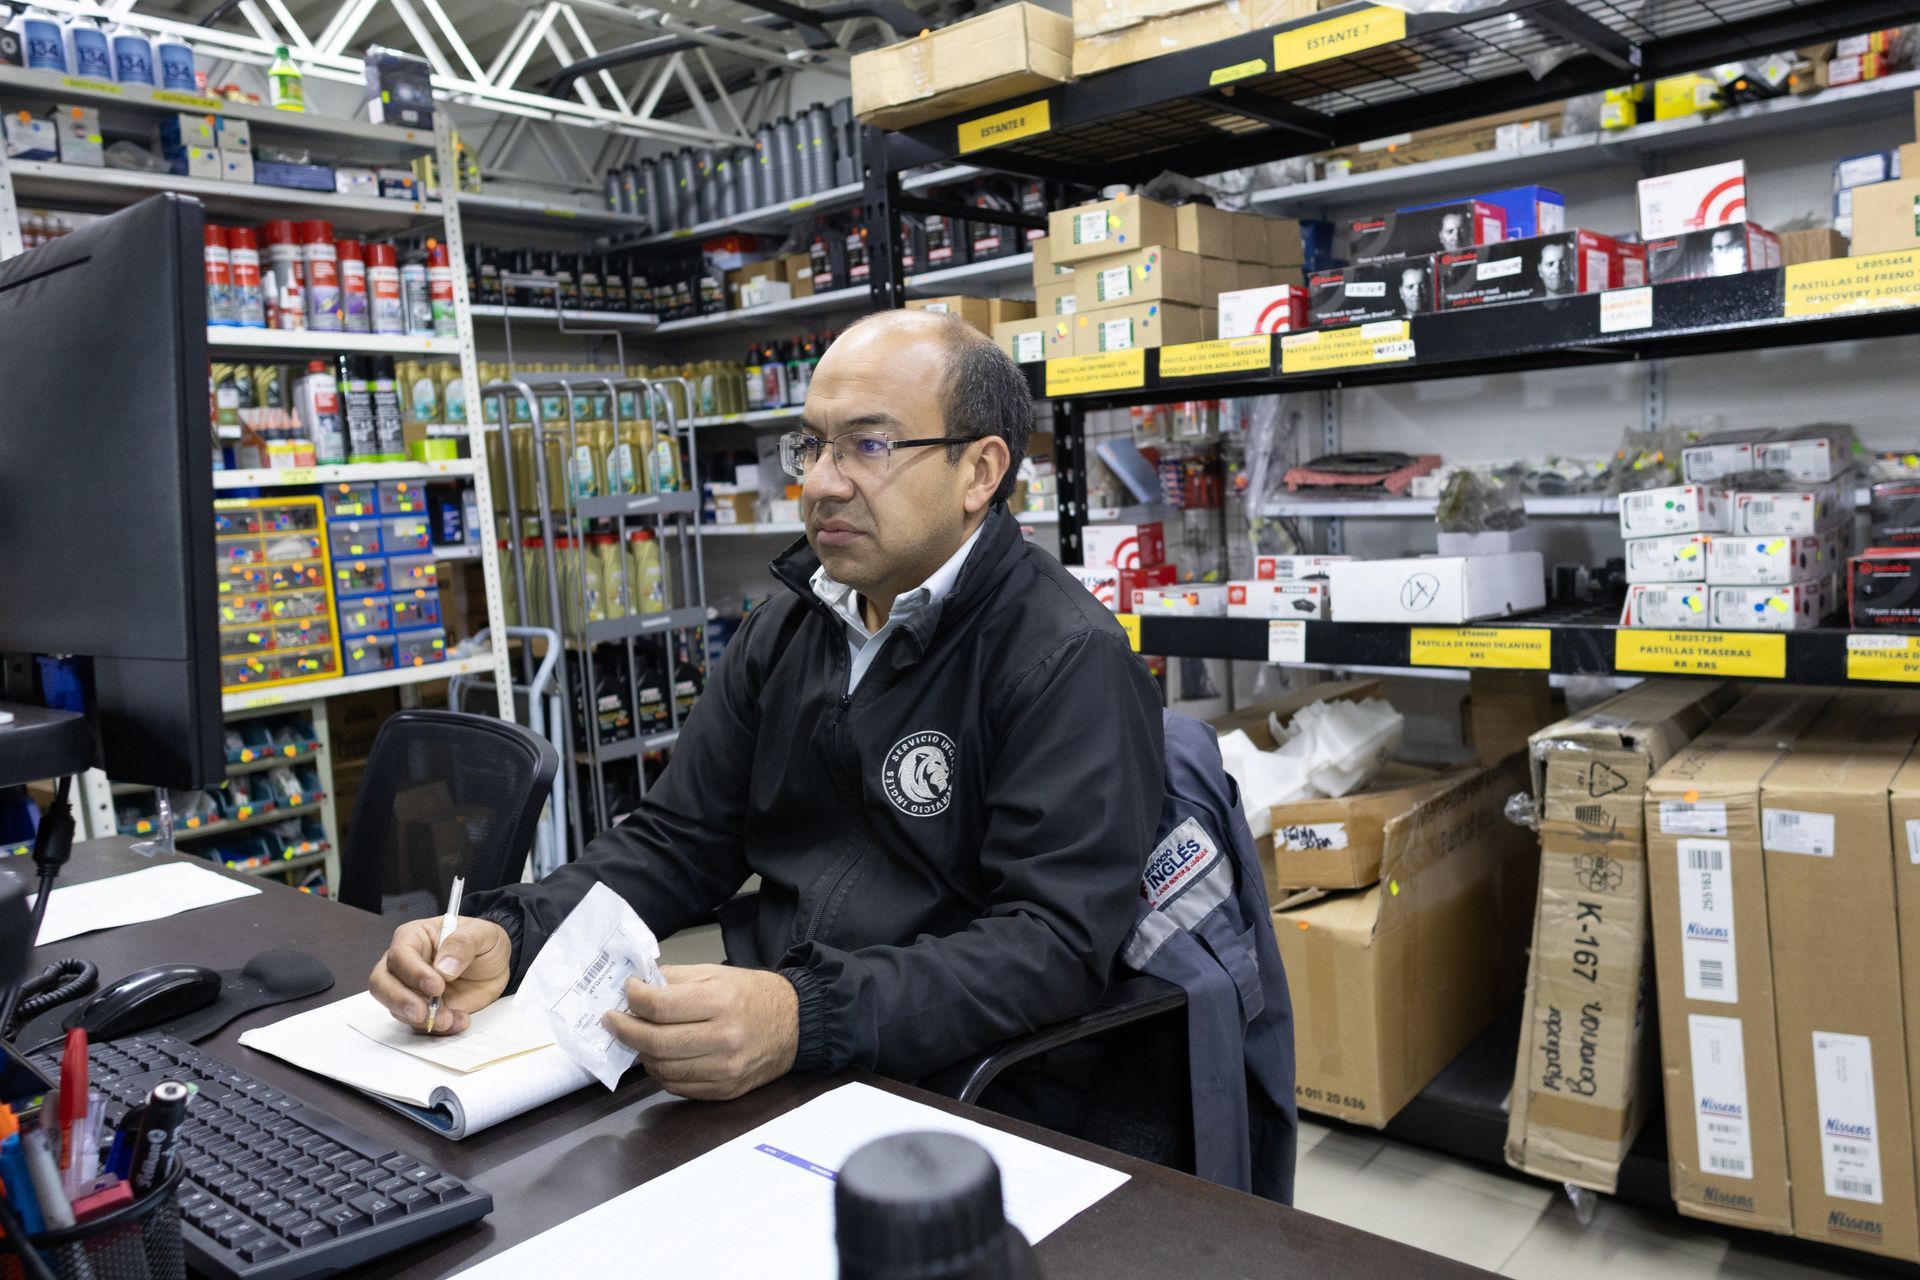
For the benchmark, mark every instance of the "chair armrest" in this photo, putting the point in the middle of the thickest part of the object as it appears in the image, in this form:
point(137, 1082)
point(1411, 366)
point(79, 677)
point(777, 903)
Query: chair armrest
point(1130, 1000)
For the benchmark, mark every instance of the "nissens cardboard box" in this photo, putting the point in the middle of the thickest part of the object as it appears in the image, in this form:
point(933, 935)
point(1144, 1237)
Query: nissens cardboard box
point(1836, 966)
point(987, 59)
point(1713, 955)
point(1390, 983)
point(1588, 1072)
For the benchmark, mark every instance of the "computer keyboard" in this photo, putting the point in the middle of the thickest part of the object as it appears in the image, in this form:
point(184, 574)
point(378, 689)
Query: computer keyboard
point(276, 1189)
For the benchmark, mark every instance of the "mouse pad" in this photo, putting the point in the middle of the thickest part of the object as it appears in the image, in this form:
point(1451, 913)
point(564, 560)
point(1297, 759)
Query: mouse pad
point(270, 978)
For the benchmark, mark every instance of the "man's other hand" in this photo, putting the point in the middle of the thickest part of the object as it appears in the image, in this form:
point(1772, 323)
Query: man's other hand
point(713, 1032)
point(468, 972)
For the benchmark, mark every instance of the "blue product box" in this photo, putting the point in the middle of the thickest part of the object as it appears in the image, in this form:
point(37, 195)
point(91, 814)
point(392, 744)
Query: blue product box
point(300, 177)
point(1865, 170)
point(1316, 246)
point(1531, 211)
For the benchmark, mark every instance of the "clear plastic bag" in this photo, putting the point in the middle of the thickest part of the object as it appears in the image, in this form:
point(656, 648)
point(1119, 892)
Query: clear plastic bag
point(1478, 502)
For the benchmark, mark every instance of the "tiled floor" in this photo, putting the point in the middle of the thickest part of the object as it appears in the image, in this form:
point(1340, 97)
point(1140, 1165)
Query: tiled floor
point(1493, 1218)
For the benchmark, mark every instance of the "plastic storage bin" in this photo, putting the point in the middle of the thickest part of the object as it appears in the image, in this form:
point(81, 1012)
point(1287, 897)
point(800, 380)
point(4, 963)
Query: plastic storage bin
point(364, 615)
point(360, 577)
point(369, 653)
point(417, 608)
point(297, 575)
point(245, 611)
point(406, 535)
point(402, 497)
point(417, 648)
point(351, 501)
point(411, 573)
point(355, 538)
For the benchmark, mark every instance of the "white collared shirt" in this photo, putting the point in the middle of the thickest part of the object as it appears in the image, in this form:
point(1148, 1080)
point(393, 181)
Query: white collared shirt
point(865, 645)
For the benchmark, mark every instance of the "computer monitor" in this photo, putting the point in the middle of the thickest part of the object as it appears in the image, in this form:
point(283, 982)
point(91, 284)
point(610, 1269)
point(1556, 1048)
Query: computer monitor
point(106, 483)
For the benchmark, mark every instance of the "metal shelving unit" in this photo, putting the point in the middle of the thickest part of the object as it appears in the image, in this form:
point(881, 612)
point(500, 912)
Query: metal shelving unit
point(297, 342)
point(777, 217)
point(319, 690)
point(47, 181)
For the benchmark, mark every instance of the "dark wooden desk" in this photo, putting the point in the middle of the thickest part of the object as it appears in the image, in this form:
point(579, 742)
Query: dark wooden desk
point(561, 1159)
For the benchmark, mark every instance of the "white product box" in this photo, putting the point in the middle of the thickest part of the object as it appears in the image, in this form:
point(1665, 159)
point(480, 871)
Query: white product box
point(233, 135)
point(1280, 308)
point(1438, 589)
point(1790, 608)
point(1294, 568)
point(1102, 580)
point(78, 129)
point(760, 291)
point(1700, 463)
point(199, 162)
point(29, 139)
point(1810, 461)
point(1693, 199)
point(1682, 508)
point(1734, 560)
point(236, 166)
point(1794, 511)
point(1528, 537)
point(1666, 605)
point(1124, 546)
point(1198, 601)
point(351, 181)
point(1266, 599)
point(1673, 557)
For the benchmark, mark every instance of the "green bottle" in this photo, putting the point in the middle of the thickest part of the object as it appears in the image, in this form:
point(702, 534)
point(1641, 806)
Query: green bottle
point(283, 82)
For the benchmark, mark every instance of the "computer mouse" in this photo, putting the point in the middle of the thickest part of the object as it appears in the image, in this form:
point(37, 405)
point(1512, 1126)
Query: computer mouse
point(146, 999)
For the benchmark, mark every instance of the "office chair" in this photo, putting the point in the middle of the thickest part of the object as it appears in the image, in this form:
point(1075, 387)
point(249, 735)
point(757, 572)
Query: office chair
point(445, 794)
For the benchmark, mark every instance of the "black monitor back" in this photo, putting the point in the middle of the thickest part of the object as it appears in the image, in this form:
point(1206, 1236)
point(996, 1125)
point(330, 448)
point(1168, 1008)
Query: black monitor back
point(106, 482)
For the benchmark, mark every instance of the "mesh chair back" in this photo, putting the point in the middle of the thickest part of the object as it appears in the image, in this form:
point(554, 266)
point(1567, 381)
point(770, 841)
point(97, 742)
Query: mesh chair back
point(445, 794)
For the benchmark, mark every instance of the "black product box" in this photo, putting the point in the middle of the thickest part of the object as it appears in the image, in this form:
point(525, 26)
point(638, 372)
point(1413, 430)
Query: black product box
point(399, 89)
point(10, 55)
point(1444, 228)
point(1730, 250)
point(1551, 266)
point(1371, 291)
point(1883, 589)
point(1894, 511)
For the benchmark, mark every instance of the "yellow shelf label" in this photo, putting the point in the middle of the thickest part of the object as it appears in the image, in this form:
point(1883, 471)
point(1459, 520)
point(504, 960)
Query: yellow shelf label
point(1337, 37)
point(194, 100)
point(1877, 282)
point(1387, 342)
point(1762, 654)
point(681, 233)
point(1109, 371)
point(1498, 648)
point(1238, 71)
point(1884, 658)
point(1223, 355)
point(92, 86)
point(1003, 127)
point(294, 475)
point(797, 205)
point(1130, 623)
point(561, 213)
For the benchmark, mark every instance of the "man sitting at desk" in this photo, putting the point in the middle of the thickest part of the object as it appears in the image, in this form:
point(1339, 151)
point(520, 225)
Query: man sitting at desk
point(935, 749)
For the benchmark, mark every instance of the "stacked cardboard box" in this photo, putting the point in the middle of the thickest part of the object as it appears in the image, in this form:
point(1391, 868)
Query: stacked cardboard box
point(1587, 1069)
point(1017, 49)
point(1880, 215)
point(1115, 33)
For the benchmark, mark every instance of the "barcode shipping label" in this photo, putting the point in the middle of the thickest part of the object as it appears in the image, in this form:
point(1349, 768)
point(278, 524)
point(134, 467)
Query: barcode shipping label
point(1114, 282)
point(1706, 921)
point(1698, 818)
point(1720, 1120)
point(1796, 831)
point(1849, 1134)
point(1090, 226)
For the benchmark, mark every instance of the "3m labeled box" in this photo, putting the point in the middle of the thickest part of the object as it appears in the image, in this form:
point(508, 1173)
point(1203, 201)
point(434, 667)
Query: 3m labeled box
point(1397, 979)
point(1719, 1054)
point(1836, 953)
point(1015, 49)
point(1153, 273)
point(1587, 1072)
point(1107, 227)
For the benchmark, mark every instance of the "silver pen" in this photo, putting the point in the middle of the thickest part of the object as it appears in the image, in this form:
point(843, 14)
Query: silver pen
point(448, 924)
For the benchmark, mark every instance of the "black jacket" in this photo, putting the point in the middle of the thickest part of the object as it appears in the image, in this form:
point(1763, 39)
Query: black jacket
point(947, 858)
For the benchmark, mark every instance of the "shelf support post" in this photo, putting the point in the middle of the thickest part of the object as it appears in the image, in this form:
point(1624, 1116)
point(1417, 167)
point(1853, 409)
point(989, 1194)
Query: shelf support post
point(1070, 476)
point(880, 208)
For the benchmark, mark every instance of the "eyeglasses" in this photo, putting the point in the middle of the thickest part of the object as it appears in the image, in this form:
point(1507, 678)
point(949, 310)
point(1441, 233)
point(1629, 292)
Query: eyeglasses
point(857, 453)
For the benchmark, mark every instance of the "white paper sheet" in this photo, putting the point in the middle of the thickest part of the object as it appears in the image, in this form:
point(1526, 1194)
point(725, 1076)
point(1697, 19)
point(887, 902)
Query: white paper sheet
point(152, 893)
point(780, 1176)
point(497, 1032)
point(581, 974)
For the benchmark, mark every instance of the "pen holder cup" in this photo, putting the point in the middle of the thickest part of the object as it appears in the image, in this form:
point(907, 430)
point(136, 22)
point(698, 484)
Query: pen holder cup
point(138, 1241)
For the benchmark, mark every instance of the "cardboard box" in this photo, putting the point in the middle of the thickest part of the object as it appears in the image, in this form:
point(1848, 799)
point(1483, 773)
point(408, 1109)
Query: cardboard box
point(761, 292)
point(797, 270)
point(1886, 216)
point(1145, 324)
point(1340, 842)
point(1285, 245)
point(1397, 979)
point(1249, 237)
point(1045, 270)
point(982, 313)
point(1719, 457)
point(78, 130)
point(1258, 275)
point(198, 162)
point(1693, 199)
point(233, 135)
point(1665, 605)
point(1751, 562)
point(1061, 299)
point(1030, 341)
point(1836, 953)
point(1904, 814)
point(29, 139)
point(1440, 228)
point(1720, 1061)
point(1719, 251)
point(1112, 586)
point(1258, 599)
point(1218, 276)
point(1376, 291)
point(1692, 94)
point(1015, 49)
point(1808, 454)
point(1802, 510)
point(1294, 568)
point(1280, 308)
point(1795, 607)
point(1107, 227)
point(1150, 38)
point(1124, 546)
point(1686, 508)
point(1438, 589)
point(1588, 1072)
point(1195, 600)
point(236, 166)
point(1672, 557)
point(1204, 230)
point(1153, 273)
point(1521, 270)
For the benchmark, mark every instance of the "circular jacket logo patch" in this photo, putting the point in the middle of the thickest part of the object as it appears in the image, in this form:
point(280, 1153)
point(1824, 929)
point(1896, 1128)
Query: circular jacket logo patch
point(918, 774)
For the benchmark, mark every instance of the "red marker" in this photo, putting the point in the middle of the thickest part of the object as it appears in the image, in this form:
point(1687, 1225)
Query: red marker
point(73, 1093)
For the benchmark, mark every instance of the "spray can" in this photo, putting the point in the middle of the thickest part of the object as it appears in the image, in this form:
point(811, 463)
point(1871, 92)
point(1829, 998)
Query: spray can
point(726, 201)
point(819, 132)
point(783, 156)
point(356, 408)
point(351, 255)
point(43, 42)
point(615, 192)
point(88, 53)
point(243, 247)
point(763, 184)
point(219, 273)
point(389, 422)
point(173, 60)
point(385, 309)
point(415, 295)
point(650, 189)
point(286, 296)
point(132, 55)
point(316, 398)
point(322, 265)
point(440, 290)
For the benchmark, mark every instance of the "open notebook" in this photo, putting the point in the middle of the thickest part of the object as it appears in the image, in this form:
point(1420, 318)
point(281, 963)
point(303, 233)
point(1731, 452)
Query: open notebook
point(328, 1041)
